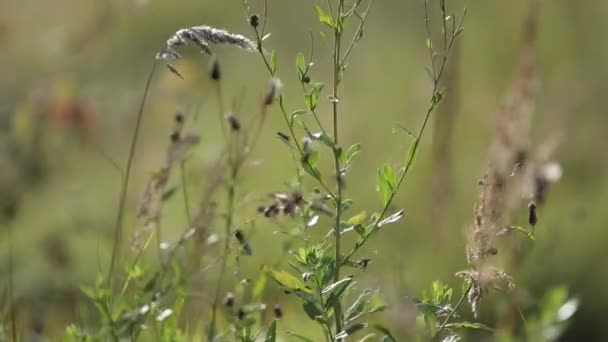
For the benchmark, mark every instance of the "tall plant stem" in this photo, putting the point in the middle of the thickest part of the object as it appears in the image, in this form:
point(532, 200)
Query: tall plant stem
point(224, 262)
point(11, 285)
point(125, 184)
point(338, 199)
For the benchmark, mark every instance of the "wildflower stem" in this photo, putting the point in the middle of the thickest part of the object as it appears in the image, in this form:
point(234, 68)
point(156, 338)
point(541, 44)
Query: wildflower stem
point(437, 75)
point(185, 192)
point(337, 65)
point(11, 285)
point(125, 183)
point(453, 311)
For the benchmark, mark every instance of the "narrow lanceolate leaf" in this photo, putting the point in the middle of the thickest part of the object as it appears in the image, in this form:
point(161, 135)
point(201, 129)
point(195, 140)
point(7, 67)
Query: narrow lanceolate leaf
point(351, 329)
point(387, 336)
point(325, 139)
point(301, 66)
point(393, 218)
point(323, 17)
point(386, 183)
point(312, 310)
point(350, 154)
point(310, 162)
point(271, 334)
point(468, 325)
point(336, 290)
point(273, 62)
point(286, 280)
point(299, 337)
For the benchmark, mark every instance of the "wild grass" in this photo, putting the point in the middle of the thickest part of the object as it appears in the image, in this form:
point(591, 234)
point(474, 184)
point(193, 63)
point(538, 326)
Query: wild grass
point(195, 289)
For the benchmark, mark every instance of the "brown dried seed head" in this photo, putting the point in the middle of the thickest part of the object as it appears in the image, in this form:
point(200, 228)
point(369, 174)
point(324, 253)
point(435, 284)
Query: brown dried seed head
point(532, 218)
point(235, 124)
point(215, 72)
point(278, 312)
point(254, 20)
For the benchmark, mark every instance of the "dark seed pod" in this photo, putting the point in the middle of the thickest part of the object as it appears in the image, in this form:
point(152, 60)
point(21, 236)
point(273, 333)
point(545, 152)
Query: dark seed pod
point(174, 137)
point(306, 79)
point(235, 125)
point(532, 218)
point(254, 20)
point(278, 312)
point(241, 314)
point(215, 72)
point(229, 299)
point(179, 118)
point(238, 234)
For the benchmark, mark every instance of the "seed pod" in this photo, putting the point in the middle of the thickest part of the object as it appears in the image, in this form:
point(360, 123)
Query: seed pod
point(174, 137)
point(179, 118)
point(532, 218)
point(254, 20)
point(278, 312)
point(215, 72)
point(238, 234)
point(241, 314)
point(229, 299)
point(235, 125)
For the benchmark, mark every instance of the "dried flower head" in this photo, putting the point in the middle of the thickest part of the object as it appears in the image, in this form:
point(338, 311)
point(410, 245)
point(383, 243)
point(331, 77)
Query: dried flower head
point(273, 90)
point(204, 37)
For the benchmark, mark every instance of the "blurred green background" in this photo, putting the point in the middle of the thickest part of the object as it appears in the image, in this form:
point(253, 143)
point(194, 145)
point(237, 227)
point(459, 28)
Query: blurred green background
point(73, 73)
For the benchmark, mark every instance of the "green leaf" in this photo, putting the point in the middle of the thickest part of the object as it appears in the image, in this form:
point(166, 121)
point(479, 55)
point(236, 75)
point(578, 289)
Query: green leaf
point(388, 337)
point(167, 194)
point(299, 337)
point(393, 218)
point(468, 325)
point(350, 154)
point(349, 330)
point(357, 219)
point(411, 154)
point(297, 113)
point(310, 162)
point(273, 62)
point(323, 17)
point(259, 286)
point(271, 334)
point(336, 290)
point(301, 66)
point(325, 139)
point(286, 280)
point(312, 310)
point(312, 97)
point(386, 183)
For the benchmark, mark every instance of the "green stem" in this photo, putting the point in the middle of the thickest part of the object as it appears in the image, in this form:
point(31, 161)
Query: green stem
point(125, 183)
point(453, 311)
point(335, 101)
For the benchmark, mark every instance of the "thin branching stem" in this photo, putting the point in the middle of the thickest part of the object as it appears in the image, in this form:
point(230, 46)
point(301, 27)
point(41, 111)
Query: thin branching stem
point(125, 184)
point(453, 311)
point(437, 75)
